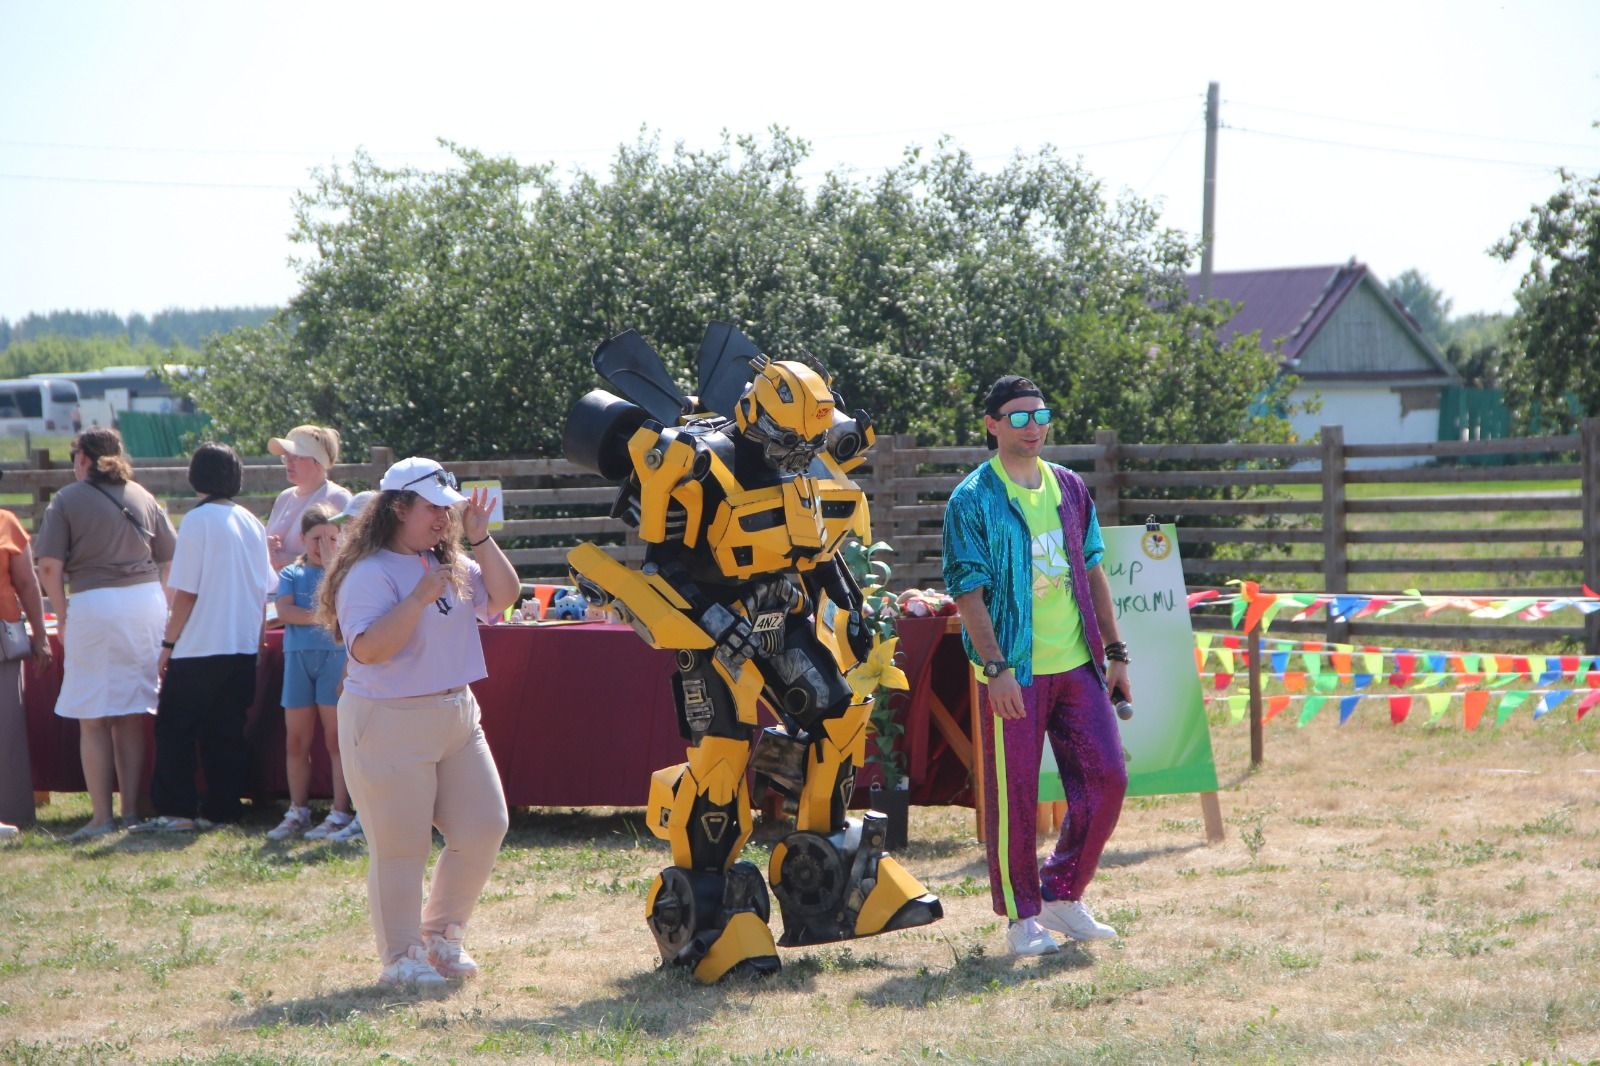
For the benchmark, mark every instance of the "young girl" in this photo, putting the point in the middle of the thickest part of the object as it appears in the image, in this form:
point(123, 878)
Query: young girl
point(313, 664)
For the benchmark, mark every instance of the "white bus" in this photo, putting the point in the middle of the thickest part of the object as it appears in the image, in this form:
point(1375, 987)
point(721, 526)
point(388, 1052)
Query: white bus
point(36, 406)
point(104, 394)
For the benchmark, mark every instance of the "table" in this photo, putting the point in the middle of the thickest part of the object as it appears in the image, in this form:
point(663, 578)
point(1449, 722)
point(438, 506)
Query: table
point(576, 715)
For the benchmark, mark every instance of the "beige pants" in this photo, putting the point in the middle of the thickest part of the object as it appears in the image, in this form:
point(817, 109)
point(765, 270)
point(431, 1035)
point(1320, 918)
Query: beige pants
point(413, 764)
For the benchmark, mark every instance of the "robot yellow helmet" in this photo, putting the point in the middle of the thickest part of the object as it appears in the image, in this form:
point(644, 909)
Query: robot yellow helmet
point(789, 409)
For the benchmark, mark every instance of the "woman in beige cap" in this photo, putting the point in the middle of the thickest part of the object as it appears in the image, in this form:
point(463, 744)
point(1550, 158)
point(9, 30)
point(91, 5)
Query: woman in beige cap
point(309, 452)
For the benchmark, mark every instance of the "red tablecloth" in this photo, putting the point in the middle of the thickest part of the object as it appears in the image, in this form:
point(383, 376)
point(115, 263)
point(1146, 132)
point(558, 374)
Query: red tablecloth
point(576, 716)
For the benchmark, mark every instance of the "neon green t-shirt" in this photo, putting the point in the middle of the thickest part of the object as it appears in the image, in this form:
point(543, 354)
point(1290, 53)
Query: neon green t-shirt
point(1058, 644)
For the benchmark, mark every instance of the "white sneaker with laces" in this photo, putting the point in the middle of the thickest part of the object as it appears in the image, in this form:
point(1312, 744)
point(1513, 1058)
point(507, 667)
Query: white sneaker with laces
point(334, 821)
point(295, 822)
point(352, 831)
point(411, 969)
point(1073, 918)
point(1027, 937)
point(448, 956)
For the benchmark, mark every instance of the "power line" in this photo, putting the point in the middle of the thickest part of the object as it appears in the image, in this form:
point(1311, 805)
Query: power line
point(1395, 151)
point(1415, 129)
point(76, 180)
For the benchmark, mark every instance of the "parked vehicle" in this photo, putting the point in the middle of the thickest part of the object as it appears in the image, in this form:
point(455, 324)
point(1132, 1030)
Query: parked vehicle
point(105, 393)
point(35, 406)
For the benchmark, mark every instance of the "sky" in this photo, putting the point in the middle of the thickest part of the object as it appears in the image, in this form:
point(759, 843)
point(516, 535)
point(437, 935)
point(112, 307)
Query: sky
point(150, 152)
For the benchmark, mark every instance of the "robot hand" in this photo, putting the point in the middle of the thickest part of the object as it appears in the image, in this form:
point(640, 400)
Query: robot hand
point(735, 637)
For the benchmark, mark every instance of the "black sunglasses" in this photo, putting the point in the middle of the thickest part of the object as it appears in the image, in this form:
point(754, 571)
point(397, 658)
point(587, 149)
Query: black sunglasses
point(1018, 419)
point(443, 477)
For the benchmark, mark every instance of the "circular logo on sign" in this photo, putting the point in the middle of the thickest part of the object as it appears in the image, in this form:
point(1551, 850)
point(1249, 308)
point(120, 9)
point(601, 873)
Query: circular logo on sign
point(1156, 544)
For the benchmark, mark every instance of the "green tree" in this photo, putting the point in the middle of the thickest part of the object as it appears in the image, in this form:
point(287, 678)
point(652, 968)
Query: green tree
point(56, 354)
point(1556, 333)
point(455, 313)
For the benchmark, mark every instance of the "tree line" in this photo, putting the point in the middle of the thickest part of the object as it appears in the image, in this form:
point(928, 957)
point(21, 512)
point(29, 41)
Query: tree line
point(175, 326)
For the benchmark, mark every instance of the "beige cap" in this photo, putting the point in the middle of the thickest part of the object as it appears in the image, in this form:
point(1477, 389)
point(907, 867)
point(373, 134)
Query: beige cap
point(312, 442)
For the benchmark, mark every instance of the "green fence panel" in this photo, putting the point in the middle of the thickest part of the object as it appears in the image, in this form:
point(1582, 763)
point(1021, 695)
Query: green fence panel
point(147, 435)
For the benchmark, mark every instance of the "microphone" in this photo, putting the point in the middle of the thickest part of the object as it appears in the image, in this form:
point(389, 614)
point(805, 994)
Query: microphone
point(1124, 710)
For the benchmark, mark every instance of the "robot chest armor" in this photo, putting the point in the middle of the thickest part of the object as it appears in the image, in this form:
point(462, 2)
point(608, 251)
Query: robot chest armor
point(784, 526)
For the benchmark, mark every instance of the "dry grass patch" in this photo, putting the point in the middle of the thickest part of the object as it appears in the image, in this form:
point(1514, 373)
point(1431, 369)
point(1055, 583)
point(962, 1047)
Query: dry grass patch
point(1384, 895)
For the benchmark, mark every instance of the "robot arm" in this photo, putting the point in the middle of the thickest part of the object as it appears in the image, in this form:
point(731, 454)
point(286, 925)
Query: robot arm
point(733, 634)
point(835, 580)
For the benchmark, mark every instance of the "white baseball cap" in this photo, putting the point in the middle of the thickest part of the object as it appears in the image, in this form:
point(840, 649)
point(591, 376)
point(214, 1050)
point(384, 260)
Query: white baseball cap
point(357, 504)
point(426, 478)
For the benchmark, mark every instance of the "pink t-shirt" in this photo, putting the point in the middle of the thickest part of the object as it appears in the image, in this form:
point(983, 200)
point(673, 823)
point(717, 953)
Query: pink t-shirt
point(444, 650)
point(284, 521)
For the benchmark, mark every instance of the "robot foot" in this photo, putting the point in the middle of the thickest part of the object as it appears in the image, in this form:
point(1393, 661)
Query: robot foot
point(836, 887)
point(714, 924)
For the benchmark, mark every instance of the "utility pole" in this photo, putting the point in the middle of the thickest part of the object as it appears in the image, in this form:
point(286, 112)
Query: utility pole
point(1208, 219)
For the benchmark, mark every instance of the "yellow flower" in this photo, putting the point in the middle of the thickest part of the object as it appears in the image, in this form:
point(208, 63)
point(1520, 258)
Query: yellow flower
point(878, 670)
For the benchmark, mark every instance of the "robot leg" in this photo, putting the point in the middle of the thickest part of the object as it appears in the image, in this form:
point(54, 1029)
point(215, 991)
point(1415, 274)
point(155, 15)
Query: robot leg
point(707, 911)
point(831, 876)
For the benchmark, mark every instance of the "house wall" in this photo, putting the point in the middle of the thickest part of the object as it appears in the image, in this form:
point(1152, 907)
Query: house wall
point(1370, 414)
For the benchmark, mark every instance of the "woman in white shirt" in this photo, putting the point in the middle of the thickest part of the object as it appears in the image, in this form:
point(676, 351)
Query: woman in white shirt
point(309, 452)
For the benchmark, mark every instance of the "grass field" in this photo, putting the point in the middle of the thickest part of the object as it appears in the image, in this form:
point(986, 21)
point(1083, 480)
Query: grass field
point(1384, 895)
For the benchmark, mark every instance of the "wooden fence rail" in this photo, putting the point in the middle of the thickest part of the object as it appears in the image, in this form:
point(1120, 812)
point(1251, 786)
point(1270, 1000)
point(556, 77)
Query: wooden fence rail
point(1231, 499)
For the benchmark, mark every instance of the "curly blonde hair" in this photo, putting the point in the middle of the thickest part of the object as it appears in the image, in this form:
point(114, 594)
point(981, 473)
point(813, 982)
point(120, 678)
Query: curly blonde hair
point(368, 533)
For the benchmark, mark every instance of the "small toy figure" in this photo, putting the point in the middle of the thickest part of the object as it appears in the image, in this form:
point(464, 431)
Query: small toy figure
point(743, 499)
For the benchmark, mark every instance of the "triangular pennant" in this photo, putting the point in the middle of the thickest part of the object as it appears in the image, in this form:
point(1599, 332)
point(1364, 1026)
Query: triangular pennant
point(1237, 706)
point(1587, 705)
point(1552, 699)
point(1473, 704)
point(1280, 663)
point(1347, 707)
point(1294, 681)
point(1372, 662)
point(1509, 702)
point(1437, 662)
point(1361, 680)
point(1429, 681)
point(1341, 664)
point(1310, 708)
point(1313, 661)
point(1221, 680)
point(1224, 660)
point(1405, 664)
point(1345, 606)
point(1399, 707)
point(1275, 707)
point(1438, 703)
point(1326, 682)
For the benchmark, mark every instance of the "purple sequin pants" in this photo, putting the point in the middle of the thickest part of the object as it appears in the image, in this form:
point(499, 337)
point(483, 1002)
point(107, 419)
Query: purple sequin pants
point(1072, 709)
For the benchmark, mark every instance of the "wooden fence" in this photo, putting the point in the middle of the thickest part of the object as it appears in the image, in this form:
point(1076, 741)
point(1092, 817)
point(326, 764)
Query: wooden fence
point(1223, 498)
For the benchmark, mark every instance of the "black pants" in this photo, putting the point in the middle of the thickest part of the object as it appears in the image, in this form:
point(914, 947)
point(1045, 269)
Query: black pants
point(203, 704)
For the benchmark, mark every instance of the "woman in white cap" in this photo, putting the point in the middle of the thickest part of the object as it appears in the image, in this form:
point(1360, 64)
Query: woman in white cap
point(405, 599)
point(309, 452)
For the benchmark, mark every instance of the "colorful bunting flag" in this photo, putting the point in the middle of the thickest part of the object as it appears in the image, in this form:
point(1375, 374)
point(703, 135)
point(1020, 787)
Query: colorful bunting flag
point(1473, 704)
point(1309, 710)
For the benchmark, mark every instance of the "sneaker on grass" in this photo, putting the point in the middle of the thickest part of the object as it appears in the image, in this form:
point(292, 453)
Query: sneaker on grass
point(167, 823)
point(295, 822)
point(350, 832)
point(335, 821)
point(411, 969)
point(1073, 918)
point(8, 831)
point(448, 956)
point(92, 831)
point(1026, 937)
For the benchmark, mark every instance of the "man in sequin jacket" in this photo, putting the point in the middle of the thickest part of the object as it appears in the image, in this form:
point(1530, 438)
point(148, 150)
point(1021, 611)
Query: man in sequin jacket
point(1022, 550)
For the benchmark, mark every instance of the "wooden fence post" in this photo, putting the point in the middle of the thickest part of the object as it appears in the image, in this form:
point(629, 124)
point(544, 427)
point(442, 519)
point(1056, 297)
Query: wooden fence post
point(1108, 493)
point(1589, 457)
point(379, 459)
point(1252, 641)
point(41, 494)
point(1335, 558)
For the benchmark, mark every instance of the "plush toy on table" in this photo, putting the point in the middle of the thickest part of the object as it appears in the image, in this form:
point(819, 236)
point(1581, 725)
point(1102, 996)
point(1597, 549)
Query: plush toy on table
point(743, 498)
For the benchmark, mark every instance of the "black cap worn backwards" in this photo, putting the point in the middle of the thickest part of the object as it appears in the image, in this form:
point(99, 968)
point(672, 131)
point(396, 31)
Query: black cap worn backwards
point(1006, 389)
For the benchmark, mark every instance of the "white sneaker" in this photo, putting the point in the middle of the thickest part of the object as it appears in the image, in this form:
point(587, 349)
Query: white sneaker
point(448, 956)
point(1026, 937)
point(411, 969)
point(335, 820)
point(352, 831)
point(1073, 918)
point(8, 831)
point(295, 822)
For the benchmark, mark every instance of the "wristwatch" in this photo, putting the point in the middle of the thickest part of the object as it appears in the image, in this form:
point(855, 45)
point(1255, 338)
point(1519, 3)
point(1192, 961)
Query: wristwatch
point(995, 667)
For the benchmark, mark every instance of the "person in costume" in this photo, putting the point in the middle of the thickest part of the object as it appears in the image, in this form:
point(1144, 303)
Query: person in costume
point(743, 499)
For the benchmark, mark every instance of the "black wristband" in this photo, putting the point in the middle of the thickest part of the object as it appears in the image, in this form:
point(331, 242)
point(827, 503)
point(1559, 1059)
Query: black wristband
point(169, 644)
point(474, 543)
point(1117, 652)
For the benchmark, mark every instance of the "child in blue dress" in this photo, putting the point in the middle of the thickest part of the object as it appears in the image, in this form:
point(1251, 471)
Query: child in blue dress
point(313, 666)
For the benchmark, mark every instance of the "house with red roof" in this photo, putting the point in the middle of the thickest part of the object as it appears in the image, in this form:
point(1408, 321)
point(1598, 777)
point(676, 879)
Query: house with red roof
point(1351, 344)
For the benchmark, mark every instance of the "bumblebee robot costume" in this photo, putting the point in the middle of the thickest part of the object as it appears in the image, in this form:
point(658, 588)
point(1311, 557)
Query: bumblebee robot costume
point(743, 498)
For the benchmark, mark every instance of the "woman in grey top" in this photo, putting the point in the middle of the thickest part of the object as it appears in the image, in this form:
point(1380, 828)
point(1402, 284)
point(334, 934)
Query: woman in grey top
point(111, 541)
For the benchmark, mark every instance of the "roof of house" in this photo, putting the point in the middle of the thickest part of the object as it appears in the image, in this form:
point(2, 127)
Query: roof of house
point(1292, 304)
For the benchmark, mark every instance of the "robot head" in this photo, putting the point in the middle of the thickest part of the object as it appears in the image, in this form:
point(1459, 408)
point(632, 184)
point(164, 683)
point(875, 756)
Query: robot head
point(788, 410)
